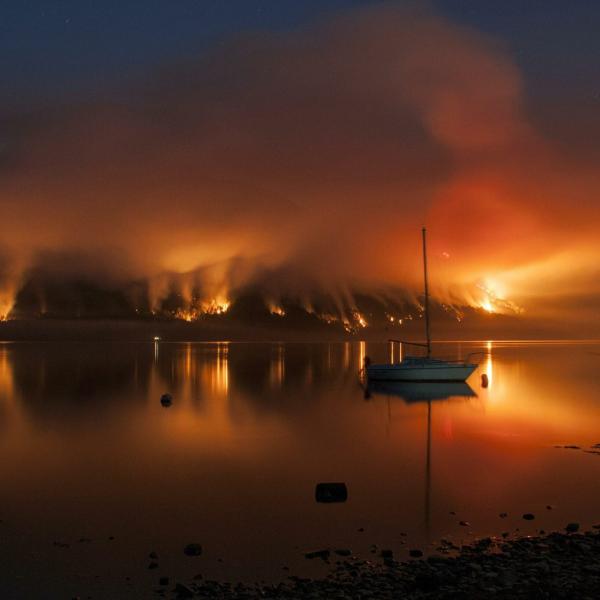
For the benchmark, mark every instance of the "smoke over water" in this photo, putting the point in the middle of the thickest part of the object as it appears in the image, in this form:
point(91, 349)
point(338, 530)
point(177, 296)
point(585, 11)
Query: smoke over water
point(303, 166)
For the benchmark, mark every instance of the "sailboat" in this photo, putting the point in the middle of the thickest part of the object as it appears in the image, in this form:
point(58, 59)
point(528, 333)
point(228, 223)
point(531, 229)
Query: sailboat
point(422, 368)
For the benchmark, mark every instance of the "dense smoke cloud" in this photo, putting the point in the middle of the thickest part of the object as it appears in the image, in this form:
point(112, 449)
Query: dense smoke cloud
point(304, 163)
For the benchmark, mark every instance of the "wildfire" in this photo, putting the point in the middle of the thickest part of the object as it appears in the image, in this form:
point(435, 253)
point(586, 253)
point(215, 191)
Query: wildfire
point(393, 319)
point(186, 315)
point(487, 305)
point(7, 302)
point(494, 299)
point(360, 319)
point(358, 322)
point(328, 318)
point(215, 306)
point(275, 309)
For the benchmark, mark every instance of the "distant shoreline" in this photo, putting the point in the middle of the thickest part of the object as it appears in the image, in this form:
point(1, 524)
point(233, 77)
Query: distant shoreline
point(109, 329)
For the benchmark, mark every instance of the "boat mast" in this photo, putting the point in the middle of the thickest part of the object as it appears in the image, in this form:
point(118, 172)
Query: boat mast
point(426, 293)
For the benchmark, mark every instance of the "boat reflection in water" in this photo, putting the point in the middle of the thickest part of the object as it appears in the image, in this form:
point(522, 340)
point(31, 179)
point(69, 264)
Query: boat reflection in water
point(421, 392)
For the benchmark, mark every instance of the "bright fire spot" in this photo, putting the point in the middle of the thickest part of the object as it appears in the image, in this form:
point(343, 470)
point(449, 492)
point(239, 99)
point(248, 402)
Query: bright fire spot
point(274, 309)
point(494, 298)
point(217, 306)
point(7, 303)
point(186, 315)
point(360, 319)
point(329, 319)
point(393, 319)
point(487, 306)
point(357, 322)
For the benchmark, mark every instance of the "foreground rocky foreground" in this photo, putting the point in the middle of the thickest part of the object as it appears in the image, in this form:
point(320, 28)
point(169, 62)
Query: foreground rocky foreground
point(553, 566)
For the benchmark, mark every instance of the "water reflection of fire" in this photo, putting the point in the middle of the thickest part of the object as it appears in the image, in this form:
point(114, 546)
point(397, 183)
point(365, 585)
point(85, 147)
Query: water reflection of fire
point(362, 352)
point(489, 365)
point(221, 373)
point(6, 374)
point(277, 367)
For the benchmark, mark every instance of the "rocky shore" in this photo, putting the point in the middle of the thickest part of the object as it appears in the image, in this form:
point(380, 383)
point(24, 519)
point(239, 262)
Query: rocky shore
point(557, 565)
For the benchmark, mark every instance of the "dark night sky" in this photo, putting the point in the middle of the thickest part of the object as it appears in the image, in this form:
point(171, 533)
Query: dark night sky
point(53, 48)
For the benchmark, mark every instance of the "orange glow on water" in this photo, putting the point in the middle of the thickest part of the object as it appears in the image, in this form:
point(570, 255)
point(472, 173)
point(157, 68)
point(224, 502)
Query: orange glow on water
point(277, 367)
point(6, 375)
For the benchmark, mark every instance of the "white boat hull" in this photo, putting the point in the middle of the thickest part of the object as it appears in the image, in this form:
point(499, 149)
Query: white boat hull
point(400, 372)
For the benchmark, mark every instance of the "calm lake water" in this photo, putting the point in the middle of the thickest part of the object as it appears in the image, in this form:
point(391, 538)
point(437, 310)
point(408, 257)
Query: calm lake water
point(88, 452)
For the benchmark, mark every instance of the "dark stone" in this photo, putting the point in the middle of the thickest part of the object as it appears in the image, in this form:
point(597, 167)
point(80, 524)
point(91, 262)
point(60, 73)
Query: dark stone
point(183, 591)
point(572, 527)
point(331, 492)
point(343, 552)
point(464, 523)
point(166, 399)
point(153, 555)
point(427, 582)
point(415, 553)
point(193, 550)
point(163, 581)
point(529, 516)
point(503, 515)
point(153, 565)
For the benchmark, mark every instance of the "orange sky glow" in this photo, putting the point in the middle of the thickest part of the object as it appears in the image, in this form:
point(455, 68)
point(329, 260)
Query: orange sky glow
point(307, 164)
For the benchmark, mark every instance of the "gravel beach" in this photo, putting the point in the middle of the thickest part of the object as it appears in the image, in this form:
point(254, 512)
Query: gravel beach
point(558, 565)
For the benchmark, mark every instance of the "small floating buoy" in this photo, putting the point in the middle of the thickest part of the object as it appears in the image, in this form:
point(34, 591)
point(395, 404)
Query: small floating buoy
point(484, 380)
point(166, 399)
point(331, 492)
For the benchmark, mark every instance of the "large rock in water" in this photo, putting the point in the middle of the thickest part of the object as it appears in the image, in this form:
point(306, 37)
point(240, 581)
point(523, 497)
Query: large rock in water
point(193, 550)
point(331, 492)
